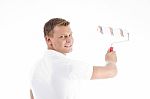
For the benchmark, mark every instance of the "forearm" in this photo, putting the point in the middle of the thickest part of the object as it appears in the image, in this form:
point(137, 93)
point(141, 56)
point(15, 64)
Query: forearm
point(102, 72)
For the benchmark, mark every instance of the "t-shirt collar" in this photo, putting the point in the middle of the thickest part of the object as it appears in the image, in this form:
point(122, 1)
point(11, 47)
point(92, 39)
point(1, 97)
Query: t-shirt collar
point(53, 52)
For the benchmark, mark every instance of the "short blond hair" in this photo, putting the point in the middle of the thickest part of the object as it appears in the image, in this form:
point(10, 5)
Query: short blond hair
point(49, 26)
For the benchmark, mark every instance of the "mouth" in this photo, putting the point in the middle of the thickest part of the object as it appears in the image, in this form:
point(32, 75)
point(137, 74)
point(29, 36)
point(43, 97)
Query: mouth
point(68, 46)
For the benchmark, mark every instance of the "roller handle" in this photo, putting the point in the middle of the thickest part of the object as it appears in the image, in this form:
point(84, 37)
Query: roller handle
point(110, 49)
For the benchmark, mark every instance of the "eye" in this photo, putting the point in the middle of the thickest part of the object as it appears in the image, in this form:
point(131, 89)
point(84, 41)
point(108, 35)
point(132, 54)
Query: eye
point(62, 36)
point(70, 35)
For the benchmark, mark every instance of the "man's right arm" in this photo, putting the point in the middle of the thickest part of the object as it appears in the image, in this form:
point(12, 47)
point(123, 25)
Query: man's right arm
point(107, 71)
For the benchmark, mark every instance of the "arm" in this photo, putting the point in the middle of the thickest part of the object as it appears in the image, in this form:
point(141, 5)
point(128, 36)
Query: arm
point(107, 71)
point(31, 94)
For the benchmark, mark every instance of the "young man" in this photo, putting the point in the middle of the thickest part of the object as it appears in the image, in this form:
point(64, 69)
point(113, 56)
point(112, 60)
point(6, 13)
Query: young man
point(54, 75)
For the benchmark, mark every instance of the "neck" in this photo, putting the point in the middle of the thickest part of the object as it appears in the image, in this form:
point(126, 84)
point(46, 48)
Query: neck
point(56, 51)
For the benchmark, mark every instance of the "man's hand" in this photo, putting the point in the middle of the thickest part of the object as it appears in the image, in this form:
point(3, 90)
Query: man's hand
point(111, 57)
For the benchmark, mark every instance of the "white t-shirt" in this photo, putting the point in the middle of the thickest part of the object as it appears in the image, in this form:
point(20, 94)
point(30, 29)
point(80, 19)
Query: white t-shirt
point(55, 76)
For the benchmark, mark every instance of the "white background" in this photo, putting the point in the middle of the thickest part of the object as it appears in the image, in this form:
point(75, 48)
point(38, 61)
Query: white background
point(22, 43)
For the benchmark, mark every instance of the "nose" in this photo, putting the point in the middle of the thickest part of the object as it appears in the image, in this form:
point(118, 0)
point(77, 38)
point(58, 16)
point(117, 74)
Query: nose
point(69, 39)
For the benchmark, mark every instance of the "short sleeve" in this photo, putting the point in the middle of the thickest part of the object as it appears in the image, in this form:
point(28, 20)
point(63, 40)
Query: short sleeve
point(80, 70)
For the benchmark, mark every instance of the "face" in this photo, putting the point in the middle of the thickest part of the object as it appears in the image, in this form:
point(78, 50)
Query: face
point(62, 40)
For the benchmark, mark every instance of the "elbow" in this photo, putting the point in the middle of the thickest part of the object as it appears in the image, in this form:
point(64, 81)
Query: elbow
point(112, 73)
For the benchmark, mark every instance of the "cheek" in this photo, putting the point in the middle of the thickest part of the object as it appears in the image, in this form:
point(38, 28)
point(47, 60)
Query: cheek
point(59, 43)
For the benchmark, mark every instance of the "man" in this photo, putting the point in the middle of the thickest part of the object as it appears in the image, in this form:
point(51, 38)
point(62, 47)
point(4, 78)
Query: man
point(54, 75)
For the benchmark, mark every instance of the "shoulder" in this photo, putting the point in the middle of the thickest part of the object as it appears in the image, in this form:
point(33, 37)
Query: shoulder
point(40, 70)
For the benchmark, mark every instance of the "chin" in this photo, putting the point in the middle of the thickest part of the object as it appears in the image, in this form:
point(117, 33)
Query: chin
point(68, 51)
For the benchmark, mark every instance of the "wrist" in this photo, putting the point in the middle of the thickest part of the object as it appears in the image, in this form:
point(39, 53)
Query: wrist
point(110, 62)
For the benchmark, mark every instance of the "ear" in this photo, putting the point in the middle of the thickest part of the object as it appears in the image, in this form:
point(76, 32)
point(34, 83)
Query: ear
point(48, 41)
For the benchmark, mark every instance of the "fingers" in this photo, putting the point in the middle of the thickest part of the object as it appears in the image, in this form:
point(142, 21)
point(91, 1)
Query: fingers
point(111, 56)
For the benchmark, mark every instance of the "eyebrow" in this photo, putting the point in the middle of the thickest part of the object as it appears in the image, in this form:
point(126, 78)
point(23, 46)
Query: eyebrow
point(65, 33)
